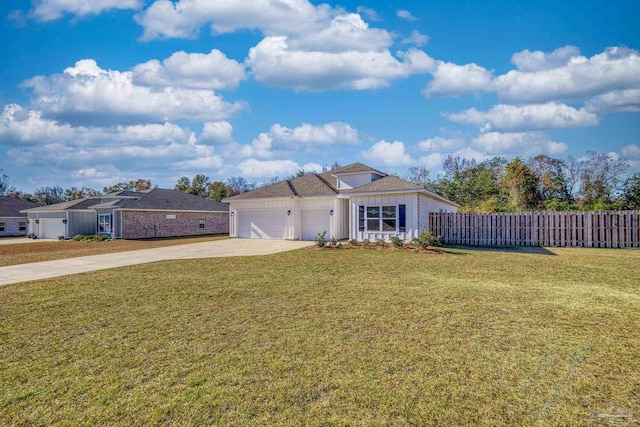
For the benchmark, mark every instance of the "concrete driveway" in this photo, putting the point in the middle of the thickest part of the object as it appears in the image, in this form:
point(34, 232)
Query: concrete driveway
point(217, 248)
point(20, 240)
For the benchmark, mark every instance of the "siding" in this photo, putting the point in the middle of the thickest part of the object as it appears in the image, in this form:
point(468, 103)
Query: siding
point(427, 205)
point(81, 223)
point(411, 202)
point(353, 181)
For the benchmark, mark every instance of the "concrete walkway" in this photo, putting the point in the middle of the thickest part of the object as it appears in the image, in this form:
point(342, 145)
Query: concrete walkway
point(218, 248)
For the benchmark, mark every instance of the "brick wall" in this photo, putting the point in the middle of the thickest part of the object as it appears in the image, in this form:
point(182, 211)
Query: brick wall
point(149, 224)
point(12, 227)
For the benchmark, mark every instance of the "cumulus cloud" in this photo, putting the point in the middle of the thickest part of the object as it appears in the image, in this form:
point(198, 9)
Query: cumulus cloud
point(184, 18)
point(391, 154)
point(406, 15)
point(274, 63)
point(191, 70)
point(327, 134)
point(51, 10)
point(581, 78)
point(88, 94)
point(452, 80)
point(527, 143)
point(368, 13)
point(526, 117)
point(21, 126)
point(617, 101)
point(217, 131)
point(439, 143)
point(537, 61)
point(416, 38)
point(253, 168)
point(631, 152)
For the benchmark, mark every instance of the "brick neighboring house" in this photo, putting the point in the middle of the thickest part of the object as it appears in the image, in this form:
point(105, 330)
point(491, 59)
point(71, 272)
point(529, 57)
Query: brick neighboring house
point(13, 223)
point(132, 215)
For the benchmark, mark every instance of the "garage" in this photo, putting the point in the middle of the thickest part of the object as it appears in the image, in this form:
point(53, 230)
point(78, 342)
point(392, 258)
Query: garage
point(314, 222)
point(262, 224)
point(51, 228)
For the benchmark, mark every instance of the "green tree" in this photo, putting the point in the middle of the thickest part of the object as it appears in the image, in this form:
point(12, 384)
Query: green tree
point(600, 181)
point(631, 196)
point(554, 182)
point(137, 185)
point(49, 195)
point(75, 193)
point(218, 190)
point(521, 186)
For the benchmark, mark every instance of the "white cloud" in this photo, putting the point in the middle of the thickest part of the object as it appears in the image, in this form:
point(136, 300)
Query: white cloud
point(631, 152)
point(617, 68)
point(538, 60)
point(526, 117)
point(406, 15)
point(344, 33)
point(86, 93)
point(253, 168)
point(368, 13)
point(21, 126)
point(191, 70)
point(274, 63)
point(452, 80)
point(327, 134)
point(184, 18)
point(51, 10)
point(201, 163)
point(527, 143)
point(260, 147)
point(416, 38)
point(618, 101)
point(217, 131)
point(440, 144)
point(391, 154)
point(312, 167)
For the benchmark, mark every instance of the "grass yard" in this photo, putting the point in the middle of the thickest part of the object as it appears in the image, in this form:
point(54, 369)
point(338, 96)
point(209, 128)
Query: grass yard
point(338, 337)
point(47, 251)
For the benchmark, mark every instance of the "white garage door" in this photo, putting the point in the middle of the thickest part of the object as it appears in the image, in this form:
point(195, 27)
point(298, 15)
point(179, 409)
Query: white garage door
point(262, 224)
point(314, 222)
point(51, 228)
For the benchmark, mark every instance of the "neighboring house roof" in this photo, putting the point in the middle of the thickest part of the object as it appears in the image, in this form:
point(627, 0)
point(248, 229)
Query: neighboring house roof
point(155, 199)
point(325, 184)
point(11, 207)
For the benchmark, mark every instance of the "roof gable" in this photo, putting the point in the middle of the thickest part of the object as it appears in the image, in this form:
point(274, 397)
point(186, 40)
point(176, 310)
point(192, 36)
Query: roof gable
point(355, 168)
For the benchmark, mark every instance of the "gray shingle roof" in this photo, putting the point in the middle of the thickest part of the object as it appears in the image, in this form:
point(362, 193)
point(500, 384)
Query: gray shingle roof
point(155, 199)
point(10, 207)
point(356, 168)
point(310, 185)
point(387, 183)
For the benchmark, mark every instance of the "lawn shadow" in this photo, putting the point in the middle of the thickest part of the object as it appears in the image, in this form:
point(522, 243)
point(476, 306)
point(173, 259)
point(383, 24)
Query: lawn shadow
point(535, 250)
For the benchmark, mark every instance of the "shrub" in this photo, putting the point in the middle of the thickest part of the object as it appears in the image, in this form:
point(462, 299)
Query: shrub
point(339, 246)
point(381, 243)
point(60, 238)
point(321, 240)
point(353, 242)
point(366, 243)
point(426, 239)
point(397, 242)
point(89, 238)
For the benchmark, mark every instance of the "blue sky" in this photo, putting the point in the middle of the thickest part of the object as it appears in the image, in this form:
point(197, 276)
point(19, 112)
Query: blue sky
point(97, 92)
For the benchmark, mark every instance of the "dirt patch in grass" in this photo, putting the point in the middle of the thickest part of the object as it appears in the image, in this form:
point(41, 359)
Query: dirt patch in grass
point(23, 253)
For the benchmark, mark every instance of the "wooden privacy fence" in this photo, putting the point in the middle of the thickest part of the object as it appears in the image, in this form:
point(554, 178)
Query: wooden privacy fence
point(610, 229)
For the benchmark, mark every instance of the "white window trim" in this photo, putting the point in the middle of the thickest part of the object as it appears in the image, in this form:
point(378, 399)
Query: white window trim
point(110, 223)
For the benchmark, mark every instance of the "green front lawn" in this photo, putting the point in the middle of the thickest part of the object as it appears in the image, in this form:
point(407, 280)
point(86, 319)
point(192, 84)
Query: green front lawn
point(337, 337)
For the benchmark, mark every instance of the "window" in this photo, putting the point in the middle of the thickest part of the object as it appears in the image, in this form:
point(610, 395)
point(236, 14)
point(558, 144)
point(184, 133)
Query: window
point(104, 223)
point(22, 226)
point(201, 223)
point(1, 226)
point(378, 218)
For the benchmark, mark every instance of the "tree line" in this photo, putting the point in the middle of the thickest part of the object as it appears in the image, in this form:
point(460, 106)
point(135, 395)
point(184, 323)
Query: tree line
point(595, 182)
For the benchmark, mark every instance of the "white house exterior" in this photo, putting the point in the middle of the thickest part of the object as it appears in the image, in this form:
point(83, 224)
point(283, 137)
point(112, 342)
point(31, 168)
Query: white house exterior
point(355, 202)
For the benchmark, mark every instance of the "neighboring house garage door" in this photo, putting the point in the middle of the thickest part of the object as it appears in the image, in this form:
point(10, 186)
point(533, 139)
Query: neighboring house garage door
point(314, 222)
point(51, 228)
point(262, 224)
